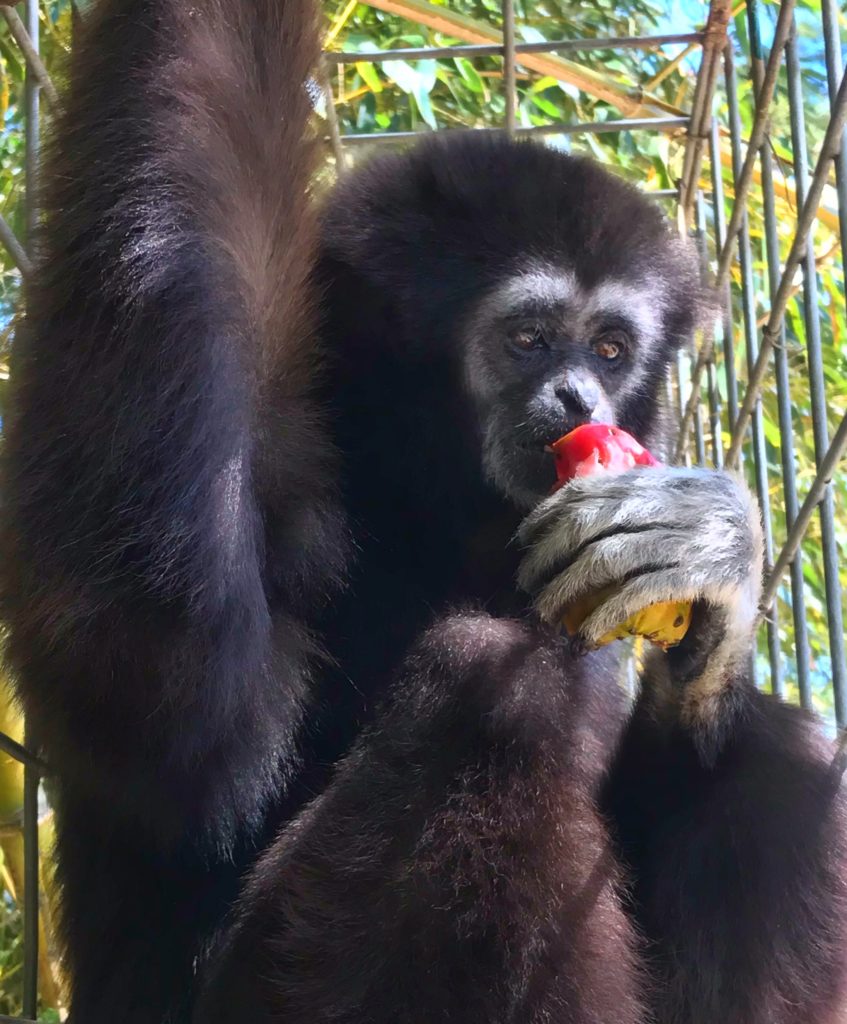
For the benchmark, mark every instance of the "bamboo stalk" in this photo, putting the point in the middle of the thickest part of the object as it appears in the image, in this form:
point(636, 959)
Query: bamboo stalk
point(12, 845)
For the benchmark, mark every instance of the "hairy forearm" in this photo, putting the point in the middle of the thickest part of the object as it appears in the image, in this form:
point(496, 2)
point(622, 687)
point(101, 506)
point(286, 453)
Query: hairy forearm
point(155, 629)
point(139, 370)
point(157, 643)
point(702, 686)
point(167, 307)
point(731, 820)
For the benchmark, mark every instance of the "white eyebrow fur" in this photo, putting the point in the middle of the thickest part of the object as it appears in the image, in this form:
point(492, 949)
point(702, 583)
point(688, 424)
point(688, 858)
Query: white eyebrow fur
point(639, 303)
point(540, 284)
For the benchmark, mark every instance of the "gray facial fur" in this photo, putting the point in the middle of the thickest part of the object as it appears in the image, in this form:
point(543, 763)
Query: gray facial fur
point(503, 408)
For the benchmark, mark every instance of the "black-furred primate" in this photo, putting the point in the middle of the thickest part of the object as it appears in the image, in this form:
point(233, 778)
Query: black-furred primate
point(250, 471)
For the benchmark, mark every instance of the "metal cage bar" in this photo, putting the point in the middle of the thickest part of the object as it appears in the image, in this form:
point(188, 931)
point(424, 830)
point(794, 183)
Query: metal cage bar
point(764, 96)
point(510, 78)
point(771, 332)
point(817, 390)
point(714, 40)
point(783, 384)
point(481, 50)
point(746, 303)
point(34, 79)
point(719, 222)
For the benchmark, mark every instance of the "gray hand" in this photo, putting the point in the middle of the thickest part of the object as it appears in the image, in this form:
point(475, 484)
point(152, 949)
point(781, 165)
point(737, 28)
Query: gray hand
point(648, 535)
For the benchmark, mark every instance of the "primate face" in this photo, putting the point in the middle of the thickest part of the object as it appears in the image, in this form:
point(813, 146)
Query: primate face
point(545, 354)
point(558, 291)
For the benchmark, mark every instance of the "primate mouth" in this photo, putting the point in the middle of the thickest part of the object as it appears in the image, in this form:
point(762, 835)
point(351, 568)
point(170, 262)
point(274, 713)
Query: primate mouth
point(538, 464)
point(537, 452)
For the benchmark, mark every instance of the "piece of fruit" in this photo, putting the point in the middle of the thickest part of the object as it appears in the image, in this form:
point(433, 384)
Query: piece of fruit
point(600, 448)
point(595, 448)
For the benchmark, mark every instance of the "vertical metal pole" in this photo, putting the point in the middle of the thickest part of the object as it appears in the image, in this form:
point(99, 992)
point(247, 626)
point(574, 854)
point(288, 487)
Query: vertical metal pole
point(670, 394)
point(711, 382)
point(727, 320)
point(699, 437)
point(817, 390)
point(751, 339)
point(719, 213)
point(715, 414)
point(332, 119)
point(32, 95)
point(510, 82)
point(783, 383)
point(31, 893)
point(680, 376)
point(714, 40)
point(834, 71)
point(31, 780)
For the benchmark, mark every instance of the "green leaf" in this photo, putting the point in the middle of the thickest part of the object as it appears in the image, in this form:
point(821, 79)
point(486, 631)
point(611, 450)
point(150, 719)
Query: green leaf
point(546, 82)
point(369, 74)
point(469, 74)
point(425, 108)
point(549, 108)
point(411, 79)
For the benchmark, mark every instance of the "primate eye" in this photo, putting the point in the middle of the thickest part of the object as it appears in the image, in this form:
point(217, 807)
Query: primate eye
point(611, 346)
point(529, 340)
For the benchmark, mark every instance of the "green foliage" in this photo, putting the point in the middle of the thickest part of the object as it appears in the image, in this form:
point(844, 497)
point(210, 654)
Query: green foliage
point(11, 955)
point(12, 961)
point(401, 96)
point(55, 42)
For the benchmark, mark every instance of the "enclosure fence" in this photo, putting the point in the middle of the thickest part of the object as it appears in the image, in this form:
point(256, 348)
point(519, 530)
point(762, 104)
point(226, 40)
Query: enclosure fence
point(768, 344)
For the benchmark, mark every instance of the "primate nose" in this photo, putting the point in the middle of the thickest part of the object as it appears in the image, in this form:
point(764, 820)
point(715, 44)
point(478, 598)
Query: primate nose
point(578, 393)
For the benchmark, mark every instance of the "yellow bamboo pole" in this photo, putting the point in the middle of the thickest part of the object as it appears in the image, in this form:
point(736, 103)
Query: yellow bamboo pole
point(12, 847)
point(785, 192)
point(340, 22)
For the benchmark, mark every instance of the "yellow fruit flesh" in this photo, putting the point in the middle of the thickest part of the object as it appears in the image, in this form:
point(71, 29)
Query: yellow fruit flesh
point(664, 623)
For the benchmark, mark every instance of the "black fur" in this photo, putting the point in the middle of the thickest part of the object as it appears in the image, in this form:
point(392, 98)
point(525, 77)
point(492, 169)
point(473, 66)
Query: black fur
point(161, 559)
point(738, 867)
point(457, 868)
point(226, 529)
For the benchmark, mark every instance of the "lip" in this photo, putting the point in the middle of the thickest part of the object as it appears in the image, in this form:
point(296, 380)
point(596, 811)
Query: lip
point(533, 442)
point(538, 453)
point(538, 461)
point(541, 445)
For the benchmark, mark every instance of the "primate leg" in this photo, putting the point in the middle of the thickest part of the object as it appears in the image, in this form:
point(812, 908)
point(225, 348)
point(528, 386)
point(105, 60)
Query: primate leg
point(456, 869)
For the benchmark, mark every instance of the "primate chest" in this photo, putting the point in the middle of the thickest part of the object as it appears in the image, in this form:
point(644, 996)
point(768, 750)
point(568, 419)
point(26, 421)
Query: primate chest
point(403, 580)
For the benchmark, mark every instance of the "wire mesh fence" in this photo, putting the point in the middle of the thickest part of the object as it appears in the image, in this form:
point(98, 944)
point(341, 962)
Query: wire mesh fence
point(769, 212)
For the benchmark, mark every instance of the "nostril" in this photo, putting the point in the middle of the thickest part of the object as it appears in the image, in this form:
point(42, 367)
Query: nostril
point(582, 397)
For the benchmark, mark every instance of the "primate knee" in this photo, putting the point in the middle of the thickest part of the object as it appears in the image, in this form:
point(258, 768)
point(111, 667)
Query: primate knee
point(470, 644)
point(504, 681)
